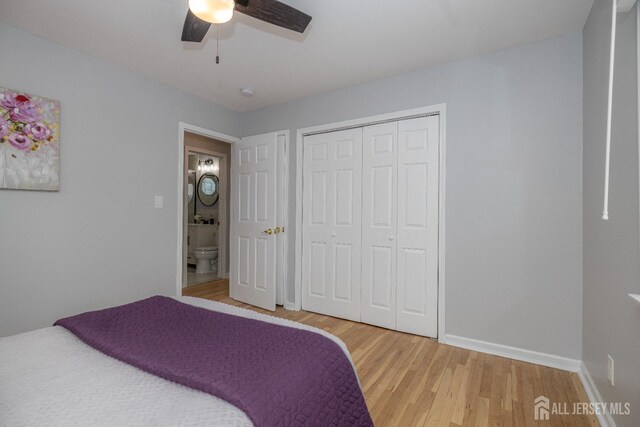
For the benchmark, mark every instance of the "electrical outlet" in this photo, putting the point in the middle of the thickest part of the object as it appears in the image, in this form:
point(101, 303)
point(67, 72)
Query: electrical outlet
point(611, 370)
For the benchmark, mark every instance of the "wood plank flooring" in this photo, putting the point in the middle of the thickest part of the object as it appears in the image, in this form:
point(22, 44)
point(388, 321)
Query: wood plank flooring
point(415, 381)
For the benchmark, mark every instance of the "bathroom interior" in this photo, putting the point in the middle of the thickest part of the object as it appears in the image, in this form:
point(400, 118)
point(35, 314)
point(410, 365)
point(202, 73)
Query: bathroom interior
point(204, 215)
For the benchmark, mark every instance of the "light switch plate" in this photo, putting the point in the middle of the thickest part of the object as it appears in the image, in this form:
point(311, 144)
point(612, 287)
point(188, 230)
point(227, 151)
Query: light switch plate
point(611, 375)
point(159, 202)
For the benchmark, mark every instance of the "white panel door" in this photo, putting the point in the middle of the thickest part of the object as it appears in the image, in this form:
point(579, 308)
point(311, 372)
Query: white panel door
point(252, 275)
point(417, 250)
point(379, 212)
point(331, 218)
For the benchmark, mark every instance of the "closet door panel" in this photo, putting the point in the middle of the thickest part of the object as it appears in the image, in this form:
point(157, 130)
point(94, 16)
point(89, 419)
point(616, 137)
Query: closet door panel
point(417, 278)
point(344, 198)
point(344, 274)
point(379, 207)
point(382, 280)
point(318, 269)
point(413, 265)
point(332, 210)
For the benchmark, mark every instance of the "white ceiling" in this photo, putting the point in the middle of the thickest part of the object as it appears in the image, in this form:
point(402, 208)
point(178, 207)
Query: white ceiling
point(348, 41)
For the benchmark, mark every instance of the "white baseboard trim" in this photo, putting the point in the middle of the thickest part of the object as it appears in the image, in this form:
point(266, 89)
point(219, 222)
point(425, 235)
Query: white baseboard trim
point(530, 356)
point(594, 395)
point(544, 359)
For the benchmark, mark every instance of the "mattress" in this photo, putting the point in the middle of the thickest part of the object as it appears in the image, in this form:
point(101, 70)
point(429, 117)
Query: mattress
point(49, 377)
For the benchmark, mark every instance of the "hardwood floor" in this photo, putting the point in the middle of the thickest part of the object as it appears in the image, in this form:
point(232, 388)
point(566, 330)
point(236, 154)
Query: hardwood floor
point(415, 381)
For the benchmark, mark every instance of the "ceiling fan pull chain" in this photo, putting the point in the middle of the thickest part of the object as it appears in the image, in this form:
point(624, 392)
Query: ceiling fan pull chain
point(217, 44)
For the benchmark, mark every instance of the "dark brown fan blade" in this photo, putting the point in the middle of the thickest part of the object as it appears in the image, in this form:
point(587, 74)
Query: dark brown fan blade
point(276, 13)
point(194, 28)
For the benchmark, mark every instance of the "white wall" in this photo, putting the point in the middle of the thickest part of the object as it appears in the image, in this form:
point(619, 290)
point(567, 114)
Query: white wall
point(611, 320)
point(514, 203)
point(99, 241)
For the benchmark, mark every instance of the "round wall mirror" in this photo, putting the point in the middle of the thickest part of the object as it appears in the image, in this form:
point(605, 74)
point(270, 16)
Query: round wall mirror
point(208, 189)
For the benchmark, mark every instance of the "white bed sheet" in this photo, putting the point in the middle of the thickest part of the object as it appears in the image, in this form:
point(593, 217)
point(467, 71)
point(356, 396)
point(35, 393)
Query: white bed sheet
point(49, 377)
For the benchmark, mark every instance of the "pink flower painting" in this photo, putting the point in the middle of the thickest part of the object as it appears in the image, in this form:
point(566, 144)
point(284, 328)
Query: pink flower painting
point(29, 141)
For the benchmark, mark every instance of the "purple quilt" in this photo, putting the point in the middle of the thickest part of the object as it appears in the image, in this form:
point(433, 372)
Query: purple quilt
point(277, 375)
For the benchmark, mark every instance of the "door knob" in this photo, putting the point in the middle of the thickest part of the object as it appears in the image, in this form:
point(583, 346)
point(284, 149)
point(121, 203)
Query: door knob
point(279, 230)
point(268, 231)
point(391, 238)
point(333, 234)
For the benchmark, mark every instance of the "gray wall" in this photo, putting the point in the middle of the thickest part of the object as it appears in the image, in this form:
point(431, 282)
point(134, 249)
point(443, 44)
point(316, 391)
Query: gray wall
point(514, 211)
point(611, 320)
point(99, 241)
point(514, 229)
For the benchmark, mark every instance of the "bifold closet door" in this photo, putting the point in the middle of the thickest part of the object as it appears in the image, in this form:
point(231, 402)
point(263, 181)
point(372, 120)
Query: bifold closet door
point(417, 228)
point(332, 210)
point(370, 224)
point(379, 218)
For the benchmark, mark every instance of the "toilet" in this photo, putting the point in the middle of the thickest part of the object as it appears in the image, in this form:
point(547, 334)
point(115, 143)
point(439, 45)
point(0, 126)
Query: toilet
point(207, 259)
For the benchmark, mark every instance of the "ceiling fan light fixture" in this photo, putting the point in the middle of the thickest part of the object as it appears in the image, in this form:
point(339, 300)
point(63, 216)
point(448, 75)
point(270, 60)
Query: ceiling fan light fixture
point(213, 11)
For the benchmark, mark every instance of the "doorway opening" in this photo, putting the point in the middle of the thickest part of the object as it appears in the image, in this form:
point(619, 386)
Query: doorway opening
point(203, 217)
point(207, 221)
point(251, 228)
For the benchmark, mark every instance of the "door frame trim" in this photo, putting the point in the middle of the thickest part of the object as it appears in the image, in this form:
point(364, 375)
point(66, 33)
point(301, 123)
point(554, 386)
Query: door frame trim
point(364, 121)
point(283, 207)
point(182, 128)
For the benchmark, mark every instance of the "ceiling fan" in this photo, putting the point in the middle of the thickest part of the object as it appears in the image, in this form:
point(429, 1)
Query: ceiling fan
point(203, 13)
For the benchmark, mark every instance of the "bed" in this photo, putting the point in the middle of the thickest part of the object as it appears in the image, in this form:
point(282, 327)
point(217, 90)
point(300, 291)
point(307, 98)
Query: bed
point(53, 377)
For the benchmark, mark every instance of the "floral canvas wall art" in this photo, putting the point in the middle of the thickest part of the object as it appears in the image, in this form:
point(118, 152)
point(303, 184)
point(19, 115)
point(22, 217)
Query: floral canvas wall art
point(29, 141)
